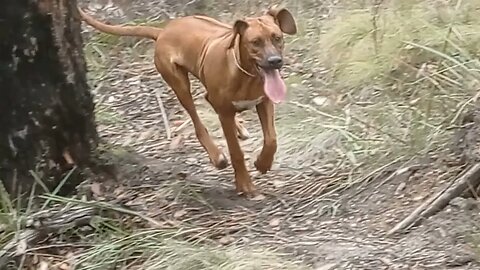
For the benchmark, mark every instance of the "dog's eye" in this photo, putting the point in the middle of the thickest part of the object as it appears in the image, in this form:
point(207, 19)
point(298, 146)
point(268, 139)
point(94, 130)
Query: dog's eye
point(257, 42)
point(277, 38)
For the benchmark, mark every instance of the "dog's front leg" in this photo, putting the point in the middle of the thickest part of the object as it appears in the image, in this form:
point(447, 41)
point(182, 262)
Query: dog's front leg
point(243, 181)
point(266, 114)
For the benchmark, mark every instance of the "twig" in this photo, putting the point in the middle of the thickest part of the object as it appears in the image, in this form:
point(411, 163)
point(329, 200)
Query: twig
point(164, 114)
point(182, 126)
point(441, 199)
point(375, 17)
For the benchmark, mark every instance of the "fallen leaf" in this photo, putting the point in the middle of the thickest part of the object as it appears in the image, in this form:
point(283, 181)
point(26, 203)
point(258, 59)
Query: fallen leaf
point(111, 99)
point(258, 197)
point(176, 142)
point(35, 259)
point(227, 239)
point(96, 188)
point(177, 123)
point(145, 135)
point(400, 188)
point(321, 101)
point(182, 175)
point(43, 265)
point(418, 198)
point(179, 213)
point(64, 266)
point(118, 191)
point(278, 183)
point(21, 247)
point(329, 266)
point(274, 222)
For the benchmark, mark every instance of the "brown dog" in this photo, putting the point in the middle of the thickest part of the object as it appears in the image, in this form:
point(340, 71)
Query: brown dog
point(239, 67)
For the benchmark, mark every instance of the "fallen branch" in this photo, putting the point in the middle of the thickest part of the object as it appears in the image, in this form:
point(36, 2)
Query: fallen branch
point(164, 114)
point(40, 224)
point(438, 201)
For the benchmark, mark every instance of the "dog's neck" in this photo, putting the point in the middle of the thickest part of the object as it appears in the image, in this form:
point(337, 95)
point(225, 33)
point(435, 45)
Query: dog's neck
point(242, 61)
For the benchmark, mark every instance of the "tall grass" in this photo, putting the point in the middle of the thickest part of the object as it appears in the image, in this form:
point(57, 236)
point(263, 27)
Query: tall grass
point(156, 249)
point(398, 75)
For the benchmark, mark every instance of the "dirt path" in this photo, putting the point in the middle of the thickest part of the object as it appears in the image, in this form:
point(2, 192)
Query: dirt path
point(181, 189)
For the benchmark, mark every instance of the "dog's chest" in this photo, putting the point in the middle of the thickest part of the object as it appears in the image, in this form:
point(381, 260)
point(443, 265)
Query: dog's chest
point(242, 105)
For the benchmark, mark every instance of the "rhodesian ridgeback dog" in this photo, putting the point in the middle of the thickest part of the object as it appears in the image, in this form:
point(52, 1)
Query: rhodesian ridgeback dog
point(238, 65)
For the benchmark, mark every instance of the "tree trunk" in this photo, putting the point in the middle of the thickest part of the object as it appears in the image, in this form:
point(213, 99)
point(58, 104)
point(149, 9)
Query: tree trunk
point(46, 110)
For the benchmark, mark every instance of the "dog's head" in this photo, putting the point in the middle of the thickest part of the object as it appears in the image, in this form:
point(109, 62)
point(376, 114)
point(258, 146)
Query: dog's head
point(262, 37)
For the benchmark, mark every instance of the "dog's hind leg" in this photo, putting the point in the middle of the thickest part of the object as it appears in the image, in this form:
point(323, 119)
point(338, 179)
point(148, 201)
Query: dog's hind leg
point(177, 78)
point(242, 132)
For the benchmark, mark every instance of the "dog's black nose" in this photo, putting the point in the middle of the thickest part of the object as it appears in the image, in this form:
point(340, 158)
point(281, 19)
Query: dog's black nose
point(275, 61)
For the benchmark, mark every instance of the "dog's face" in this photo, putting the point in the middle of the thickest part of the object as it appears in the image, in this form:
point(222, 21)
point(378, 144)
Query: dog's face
point(263, 37)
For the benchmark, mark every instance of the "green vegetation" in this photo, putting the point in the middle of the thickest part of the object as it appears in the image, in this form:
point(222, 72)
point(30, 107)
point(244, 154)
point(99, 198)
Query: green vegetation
point(397, 77)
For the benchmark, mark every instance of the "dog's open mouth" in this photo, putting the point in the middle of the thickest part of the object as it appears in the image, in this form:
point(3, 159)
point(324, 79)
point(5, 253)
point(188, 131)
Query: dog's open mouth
point(273, 85)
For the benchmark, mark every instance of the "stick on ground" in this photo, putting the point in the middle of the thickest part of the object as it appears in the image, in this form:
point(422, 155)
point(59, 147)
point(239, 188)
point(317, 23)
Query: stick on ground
point(164, 114)
point(439, 200)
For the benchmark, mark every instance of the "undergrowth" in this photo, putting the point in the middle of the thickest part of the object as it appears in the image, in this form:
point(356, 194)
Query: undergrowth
point(115, 244)
point(156, 249)
point(395, 76)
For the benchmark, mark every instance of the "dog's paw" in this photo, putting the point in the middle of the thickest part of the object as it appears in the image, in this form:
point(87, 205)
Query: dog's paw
point(245, 188)
point(243, 135)
point(221, 162)
point(242, 132)
point(263, 167)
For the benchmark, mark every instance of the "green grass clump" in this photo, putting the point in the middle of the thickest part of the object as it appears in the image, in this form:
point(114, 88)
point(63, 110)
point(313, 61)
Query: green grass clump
point(360, 52)
point(398, 77)
point(156, 249)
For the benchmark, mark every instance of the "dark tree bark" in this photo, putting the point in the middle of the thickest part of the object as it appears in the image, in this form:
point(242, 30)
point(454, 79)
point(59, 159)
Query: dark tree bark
point(46, 109)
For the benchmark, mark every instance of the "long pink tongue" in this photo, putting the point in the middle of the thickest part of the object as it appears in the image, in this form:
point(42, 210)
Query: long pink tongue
point(274, 86)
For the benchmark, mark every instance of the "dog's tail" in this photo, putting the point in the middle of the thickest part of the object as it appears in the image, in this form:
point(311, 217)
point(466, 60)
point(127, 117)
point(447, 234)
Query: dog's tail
point(121, 30)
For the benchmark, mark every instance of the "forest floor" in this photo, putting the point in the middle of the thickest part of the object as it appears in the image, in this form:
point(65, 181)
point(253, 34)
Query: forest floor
point(307, 215)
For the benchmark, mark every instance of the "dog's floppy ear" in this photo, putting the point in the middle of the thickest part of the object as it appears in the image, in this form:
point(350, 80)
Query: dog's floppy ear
point(284, 19)
point(239, 28)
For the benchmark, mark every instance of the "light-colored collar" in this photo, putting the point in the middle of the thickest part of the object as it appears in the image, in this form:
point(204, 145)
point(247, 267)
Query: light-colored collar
point(237, 63)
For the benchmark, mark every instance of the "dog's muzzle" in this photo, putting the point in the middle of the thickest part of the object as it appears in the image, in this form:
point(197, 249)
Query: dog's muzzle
point(275, 62)
point(270, 63)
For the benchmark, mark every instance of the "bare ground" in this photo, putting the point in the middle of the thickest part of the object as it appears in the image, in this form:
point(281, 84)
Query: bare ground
point(173, 182)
